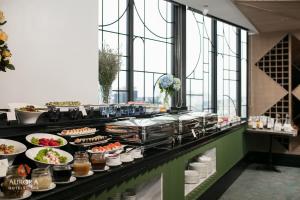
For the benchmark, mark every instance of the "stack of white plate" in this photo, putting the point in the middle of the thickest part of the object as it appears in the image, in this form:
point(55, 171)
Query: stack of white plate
point(200, 167)
point(191, 176)
point(129, 196)
point(208, 161)
point(212, 154)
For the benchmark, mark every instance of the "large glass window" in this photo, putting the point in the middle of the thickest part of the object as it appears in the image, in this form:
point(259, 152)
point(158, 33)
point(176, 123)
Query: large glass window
point(227, 69)
point(113, 32)
point(210, 53)
point(153, 43)
point(198, 61)
point(244, 70)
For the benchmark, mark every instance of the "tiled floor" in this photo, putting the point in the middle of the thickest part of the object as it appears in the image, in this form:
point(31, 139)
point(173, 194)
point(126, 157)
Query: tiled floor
point(265, 185)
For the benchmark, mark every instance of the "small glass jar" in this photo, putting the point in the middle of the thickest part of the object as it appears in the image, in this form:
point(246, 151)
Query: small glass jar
point(81, 154)
point(98, 161)
point(81, 166)
point(62, 173)
point(14, 186)
point(12, 170)
point(41, 178)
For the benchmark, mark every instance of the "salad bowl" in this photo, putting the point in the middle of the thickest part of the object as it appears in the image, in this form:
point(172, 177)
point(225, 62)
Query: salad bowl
point(44, 156)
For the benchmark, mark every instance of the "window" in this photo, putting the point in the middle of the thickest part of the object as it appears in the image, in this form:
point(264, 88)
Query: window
point(244, 81)
point(113, 32)
point(153, 43)
point(216, 54)
point(198, 61)
point(227, 69)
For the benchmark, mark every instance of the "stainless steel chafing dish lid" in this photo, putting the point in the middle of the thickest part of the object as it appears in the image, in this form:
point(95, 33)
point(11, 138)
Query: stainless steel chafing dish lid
point(138, 123)
point(202, 114)
point(183, 117)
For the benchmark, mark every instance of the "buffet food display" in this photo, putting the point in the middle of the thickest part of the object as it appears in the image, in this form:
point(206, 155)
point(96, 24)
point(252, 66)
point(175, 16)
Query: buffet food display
point(96, 151)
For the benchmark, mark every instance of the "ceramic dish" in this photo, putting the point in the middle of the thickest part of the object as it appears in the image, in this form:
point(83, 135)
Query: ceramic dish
point(72, 179)
point(52, 186)
point(26, 195)
point(18, 149)
point(37, 136)
point(101, 170)
point(89, 174)
point(32, 155)
point(191, 176)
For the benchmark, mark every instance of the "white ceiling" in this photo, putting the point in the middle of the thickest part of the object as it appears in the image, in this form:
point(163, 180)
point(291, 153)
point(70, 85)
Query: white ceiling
point(223, 9)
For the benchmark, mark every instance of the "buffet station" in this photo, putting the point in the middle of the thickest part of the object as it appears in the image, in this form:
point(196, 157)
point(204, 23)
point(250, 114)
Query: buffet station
point(49, 151)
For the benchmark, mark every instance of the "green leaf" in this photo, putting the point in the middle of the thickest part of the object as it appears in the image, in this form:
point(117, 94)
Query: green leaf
point(10, 66)
point(3, 23)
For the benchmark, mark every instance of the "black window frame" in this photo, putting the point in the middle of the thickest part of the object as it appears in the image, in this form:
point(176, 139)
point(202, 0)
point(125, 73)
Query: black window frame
point(179, 55)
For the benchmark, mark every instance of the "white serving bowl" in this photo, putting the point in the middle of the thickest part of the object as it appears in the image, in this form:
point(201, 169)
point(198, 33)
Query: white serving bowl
point(191, 177)
point(31, 153)
point(26, 117)
point(201, 168)
point(208, 160)
point(45, 135)
point(19, 148)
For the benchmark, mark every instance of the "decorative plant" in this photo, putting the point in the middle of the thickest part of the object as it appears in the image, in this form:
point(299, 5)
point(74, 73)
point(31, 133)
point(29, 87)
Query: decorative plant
point(168, 84)
point(109, 66)
point(5, 54)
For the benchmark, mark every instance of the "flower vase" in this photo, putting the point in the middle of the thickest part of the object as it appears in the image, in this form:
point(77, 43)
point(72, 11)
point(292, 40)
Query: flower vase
point(166, 101)
point(105, 94)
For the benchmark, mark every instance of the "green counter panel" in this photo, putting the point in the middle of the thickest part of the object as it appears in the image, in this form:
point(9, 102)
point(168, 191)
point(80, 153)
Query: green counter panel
point(230, 149)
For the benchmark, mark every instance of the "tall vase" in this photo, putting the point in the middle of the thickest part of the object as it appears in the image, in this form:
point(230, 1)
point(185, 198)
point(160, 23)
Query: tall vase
point(105, 94)
point(166, 100)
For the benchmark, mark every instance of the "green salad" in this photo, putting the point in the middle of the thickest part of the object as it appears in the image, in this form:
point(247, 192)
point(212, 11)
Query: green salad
point(50, 156)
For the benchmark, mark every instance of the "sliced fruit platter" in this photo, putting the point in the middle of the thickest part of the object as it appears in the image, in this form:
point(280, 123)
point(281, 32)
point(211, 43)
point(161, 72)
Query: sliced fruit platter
point(46, 140)
point(78, 132)
point(90, 141)
point(110, 148)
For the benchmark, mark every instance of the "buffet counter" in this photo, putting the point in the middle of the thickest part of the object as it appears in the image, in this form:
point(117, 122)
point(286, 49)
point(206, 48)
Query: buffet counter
point(168, 164)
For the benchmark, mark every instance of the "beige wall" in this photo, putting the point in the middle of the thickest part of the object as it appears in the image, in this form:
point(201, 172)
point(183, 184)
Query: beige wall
point(55, 51)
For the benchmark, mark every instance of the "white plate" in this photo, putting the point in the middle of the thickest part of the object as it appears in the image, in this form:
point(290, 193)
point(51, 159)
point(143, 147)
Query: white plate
point(72, 179)
point(101, 170)
point(52, 186)
point(26, 195)
point(111, 151)
point(90, 144)
point(114, 164)
point(127, 160)
point(19, 148)
point(89, 174)
point(45, 135)
point(77, 135)
point(138, 157)
point(31, 153)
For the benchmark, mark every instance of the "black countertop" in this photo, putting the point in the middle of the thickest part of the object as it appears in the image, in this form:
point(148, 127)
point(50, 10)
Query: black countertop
point(85, 187)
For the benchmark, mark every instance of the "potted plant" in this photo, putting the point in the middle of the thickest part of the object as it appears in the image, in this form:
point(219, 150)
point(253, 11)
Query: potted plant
point(109, 67)
point(5, 54)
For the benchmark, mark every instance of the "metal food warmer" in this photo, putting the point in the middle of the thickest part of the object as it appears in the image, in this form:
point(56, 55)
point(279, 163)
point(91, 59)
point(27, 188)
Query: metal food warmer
point(192, 124)
point(143, 132)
